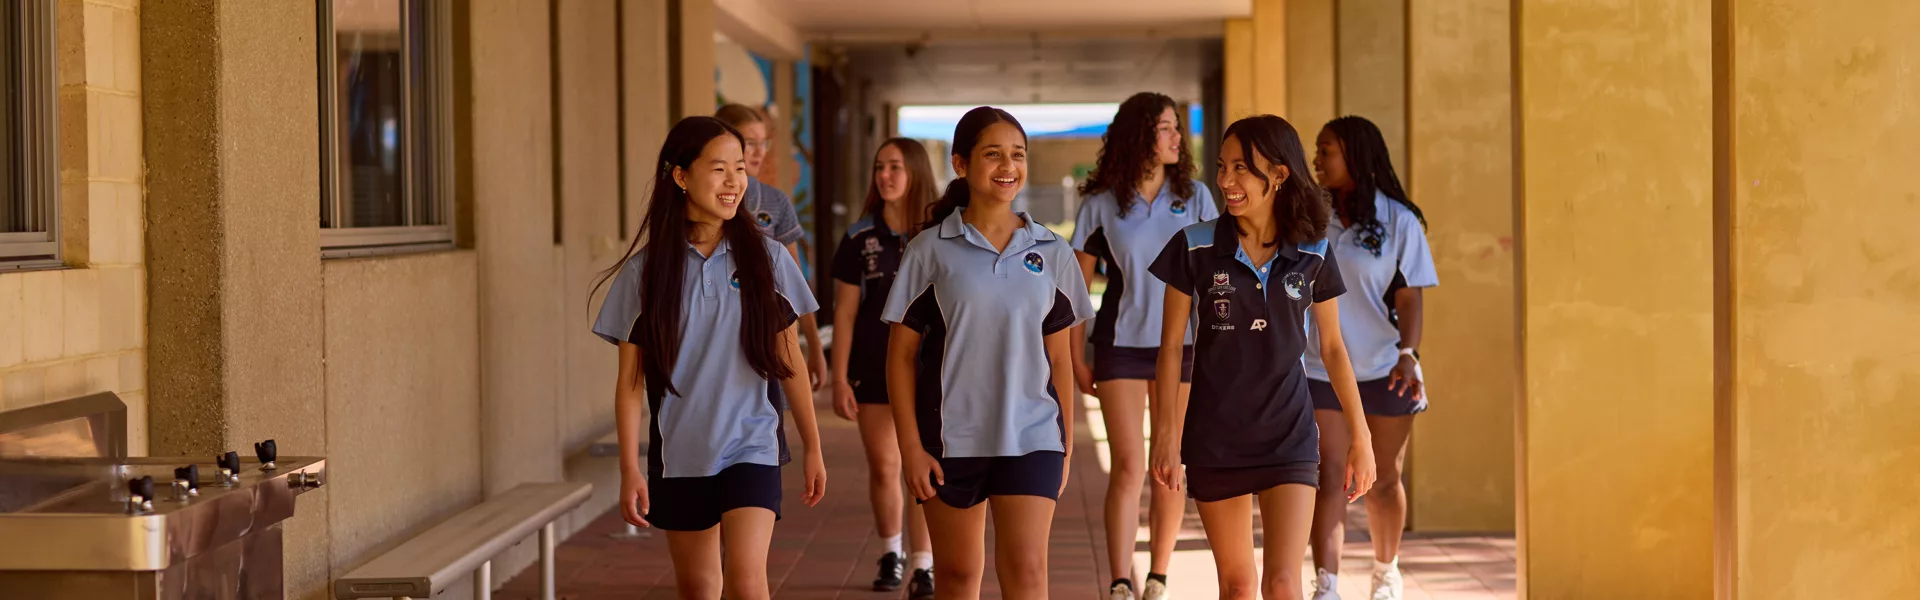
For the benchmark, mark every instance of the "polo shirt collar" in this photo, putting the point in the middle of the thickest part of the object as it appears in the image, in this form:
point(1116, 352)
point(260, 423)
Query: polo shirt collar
point(954, 226)
point(718, 249)
point(1226, 240)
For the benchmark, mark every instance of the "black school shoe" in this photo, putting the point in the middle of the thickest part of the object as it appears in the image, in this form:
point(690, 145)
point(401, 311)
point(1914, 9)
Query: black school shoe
point(922, 586)
point(889, 579)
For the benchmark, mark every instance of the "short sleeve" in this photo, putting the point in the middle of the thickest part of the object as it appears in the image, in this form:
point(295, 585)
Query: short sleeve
point(1087, 221)
point(846, 261)
point(1060, 317)
point(1327, 283)
point(621, 309)
point(912, 280)
point(1171, 266)
point(785, 225)
point(1203, 197)
point(790, 283)
point(1073, 285)
point(1415, 259)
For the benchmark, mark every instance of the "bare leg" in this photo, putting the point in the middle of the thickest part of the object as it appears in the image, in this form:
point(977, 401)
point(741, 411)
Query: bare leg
point(1330, 503)
point(696, 563)
point(1229, 525)
point(1021, 527)
point(959, 549)
point(1165, 509)
point(1286, 516)
point(918, 540)
point(748, 532)
point(886, 491)
point(1122, 408)
point(1387, 502)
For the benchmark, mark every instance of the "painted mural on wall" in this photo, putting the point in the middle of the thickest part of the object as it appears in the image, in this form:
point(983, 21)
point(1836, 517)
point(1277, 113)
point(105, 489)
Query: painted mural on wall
point(742, 77)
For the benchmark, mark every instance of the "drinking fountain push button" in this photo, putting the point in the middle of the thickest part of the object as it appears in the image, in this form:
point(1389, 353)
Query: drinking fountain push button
point(186, 482)
point(229, 464)
point(140, 495)
point(266, 452)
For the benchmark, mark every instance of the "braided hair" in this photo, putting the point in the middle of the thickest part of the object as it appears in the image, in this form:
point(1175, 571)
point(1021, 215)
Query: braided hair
point(1365, 153)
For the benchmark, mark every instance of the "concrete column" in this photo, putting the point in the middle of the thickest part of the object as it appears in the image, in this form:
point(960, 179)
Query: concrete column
point(1819, 365)
point(1461, 462)
point(1311, 80)
point(1617, 298)
point(1237, 71)
point(648, 97)
point(692, 37)
point(1373, 66)
point(1255, 61)
point(232, 163)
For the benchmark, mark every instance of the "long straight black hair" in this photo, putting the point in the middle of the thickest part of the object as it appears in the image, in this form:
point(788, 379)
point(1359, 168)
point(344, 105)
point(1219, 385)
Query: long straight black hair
point(1365, 152)
point(662, 296)
point(1128, 152)
point(966, 135)
point(1300, 207)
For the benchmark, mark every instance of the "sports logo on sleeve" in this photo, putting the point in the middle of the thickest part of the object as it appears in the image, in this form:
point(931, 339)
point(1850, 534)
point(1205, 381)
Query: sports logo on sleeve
point(1221, 287)
point(1035, 263)
point(1295, 284)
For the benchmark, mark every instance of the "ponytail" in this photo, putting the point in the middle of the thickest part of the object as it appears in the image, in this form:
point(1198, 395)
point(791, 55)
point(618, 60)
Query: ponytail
point(955, 198)
point(965, 135)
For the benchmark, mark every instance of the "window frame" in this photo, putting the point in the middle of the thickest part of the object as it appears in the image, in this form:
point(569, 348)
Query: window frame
point(34, 68)
point(438, 164)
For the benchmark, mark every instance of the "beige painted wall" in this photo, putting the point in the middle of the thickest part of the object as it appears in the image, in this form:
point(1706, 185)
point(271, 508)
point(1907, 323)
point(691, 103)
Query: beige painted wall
point(1269, 52)
point(80, 330)
point(1824, 287)
point(648, 118)
point(696, 58)
point(1461, 462)
point(1617, 298)
point(1373, 67)
point(1310, 66)
point(1236, 65)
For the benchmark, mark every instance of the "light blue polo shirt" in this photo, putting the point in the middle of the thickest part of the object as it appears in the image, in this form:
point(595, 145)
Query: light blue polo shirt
point(1131, 308)
point(985, 387)
point(773, 211)
point(722, 416)
point(1372, 340)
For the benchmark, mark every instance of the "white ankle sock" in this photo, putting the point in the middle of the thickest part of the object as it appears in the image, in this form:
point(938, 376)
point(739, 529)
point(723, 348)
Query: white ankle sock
point(1332, 581)
point(893, 544)
point(1393, 565)
point(921, 561)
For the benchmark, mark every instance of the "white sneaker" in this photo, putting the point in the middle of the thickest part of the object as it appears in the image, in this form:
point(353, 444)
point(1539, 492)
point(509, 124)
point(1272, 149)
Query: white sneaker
point(1386, 582)
point(1154, 590)
point(1120, 591)
point(1325, 586)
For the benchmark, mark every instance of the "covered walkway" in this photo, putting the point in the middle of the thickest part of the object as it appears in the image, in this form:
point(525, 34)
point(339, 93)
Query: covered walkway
point(828, 551)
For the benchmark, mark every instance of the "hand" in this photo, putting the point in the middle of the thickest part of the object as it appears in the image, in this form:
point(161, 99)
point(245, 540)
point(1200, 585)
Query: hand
point(1406, 380)
point(1166, 463)
point(1360, 469)
point(1083, 375)
point(816, 479)
point(633, 499)
point(843, 401)
point(922, 473)
point(817, 371)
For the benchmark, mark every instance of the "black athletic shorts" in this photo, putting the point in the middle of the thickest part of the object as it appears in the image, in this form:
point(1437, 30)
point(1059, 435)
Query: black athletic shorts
point(1375, 398)
point(1213, 484)
point(696, 503)
point(870, 390)
point(971, 481)
point(1119, 362)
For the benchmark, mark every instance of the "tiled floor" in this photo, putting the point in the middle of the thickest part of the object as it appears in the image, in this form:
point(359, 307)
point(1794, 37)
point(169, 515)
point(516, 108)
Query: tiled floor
point(828, 551)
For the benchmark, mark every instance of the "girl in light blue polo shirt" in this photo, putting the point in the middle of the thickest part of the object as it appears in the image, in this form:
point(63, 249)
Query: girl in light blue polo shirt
point(1141, 192)
point(1380, 239)
point(704, 319)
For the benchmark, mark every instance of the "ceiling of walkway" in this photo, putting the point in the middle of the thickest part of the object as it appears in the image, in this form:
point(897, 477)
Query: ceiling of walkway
point(1034, 70)
point(817, 17)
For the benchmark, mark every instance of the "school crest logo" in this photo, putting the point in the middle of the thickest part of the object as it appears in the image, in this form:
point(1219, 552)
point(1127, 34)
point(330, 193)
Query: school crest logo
point(873, 246)
point(873, 266)
point(734, 281)
point(1179, 206)
point(1221, 287)
point(1222, 312)
point(1035, 263)
point(1296, 285)
point(765, 219)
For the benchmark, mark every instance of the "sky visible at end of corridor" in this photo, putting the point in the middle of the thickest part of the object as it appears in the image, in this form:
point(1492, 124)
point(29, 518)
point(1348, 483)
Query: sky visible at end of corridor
point(1040, 120)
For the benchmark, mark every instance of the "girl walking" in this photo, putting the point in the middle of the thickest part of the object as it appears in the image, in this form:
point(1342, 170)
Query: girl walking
point(1253, 280)
point(703, 316)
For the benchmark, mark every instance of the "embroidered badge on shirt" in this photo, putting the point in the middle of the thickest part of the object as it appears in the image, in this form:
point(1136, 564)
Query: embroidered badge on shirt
point(1035, 263)
point(1222, 311)
point(873, 246)
point(1259, 325)
point(734, 281)
point(1220, 285)
point(1179, 206)
point(763, 218)
point(1296, 285)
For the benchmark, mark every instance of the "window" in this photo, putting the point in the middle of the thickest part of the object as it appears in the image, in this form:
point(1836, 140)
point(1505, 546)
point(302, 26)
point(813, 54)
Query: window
point(385, 148)
point(29, 171)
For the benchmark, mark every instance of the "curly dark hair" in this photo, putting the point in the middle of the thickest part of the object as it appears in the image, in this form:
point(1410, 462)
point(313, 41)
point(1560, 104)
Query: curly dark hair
point(1364, 151)
point(1127, 151)
point(1300, 208)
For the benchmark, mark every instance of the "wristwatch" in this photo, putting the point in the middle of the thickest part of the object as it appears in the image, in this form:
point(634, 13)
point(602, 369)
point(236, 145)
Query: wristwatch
point(1411, 352)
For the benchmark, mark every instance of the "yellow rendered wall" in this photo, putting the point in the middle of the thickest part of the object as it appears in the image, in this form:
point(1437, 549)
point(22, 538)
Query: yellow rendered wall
point(1616, 303)
point(1237, 70)
point(1270, 57)
point(1373, 63)
point(1461, 467)
point(1826, 283)
point(1311, 67)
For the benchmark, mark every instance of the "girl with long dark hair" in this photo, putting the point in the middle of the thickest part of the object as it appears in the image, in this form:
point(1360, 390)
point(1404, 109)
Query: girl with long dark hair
point(1140, 193)
point(773, 211)
point(979, 369)
point(863, 269)
point(1380, 239)
point(703, 315)
point(1253, 280)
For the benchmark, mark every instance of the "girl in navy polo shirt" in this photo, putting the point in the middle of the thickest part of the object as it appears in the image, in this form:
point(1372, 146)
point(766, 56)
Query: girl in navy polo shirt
point(979, 365)
point(1381, 242)
point(1140, 193)
point(1251, 280)
point(864, 267)
point(703, 316)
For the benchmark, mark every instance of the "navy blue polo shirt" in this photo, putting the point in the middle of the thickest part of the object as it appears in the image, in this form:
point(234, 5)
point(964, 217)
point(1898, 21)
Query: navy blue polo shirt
point(1249, 406)
point(722, 416)
point(985, 387)
point(1130, 310)
point(868, 257)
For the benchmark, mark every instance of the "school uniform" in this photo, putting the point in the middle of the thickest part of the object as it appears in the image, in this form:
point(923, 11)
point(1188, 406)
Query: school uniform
point(1370, 264)
point(1126, 331)
point(772, 210)
point(868, 257)
point(985, 403)
point(718, 444)
point(1249, 424)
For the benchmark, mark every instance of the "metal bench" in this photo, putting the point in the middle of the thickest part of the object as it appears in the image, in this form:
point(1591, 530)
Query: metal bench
point(426, 565)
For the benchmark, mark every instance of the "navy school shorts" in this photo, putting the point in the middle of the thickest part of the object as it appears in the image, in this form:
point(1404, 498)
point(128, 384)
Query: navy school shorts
point(1118, 362)
point(870, 390)
point(1213, 484)
point(696, 503)
point(972, 480)
point(1375, 398)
